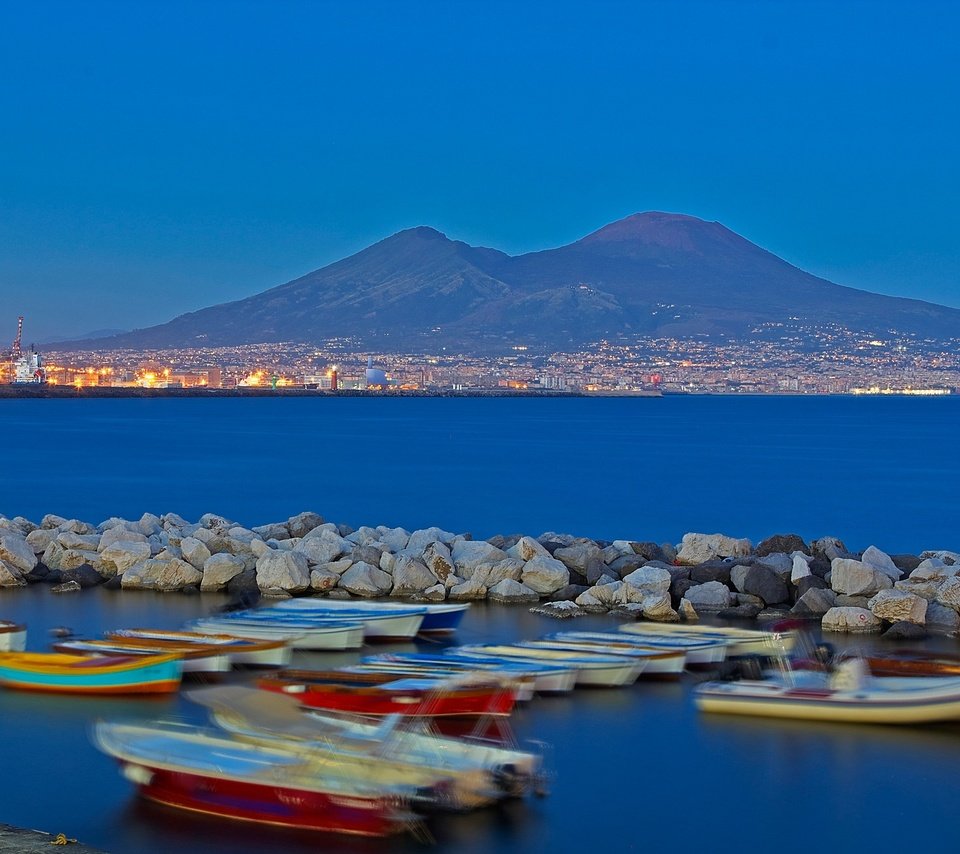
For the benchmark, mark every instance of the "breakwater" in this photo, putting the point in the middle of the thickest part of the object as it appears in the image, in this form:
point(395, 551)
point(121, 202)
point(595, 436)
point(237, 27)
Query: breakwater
point(560, 574)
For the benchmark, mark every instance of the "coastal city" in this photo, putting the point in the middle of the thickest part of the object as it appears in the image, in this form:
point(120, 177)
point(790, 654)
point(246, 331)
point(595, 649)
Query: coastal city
point(774, 360)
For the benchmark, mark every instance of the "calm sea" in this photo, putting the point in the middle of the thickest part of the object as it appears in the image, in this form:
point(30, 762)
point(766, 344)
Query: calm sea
point(635, 769)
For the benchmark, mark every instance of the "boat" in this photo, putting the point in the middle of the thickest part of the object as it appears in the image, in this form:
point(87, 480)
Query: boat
point(523, 682)
point(470, 695)
point(604, 671)
point(197, 660)
point(440, 618)
point(210, 772)
point(739, 641)
point(478, 773)
point(660, 663)
point(84, 674)
point(697, 651)
point(912, 662)
point(242, 652)
point(13, 636)
point(383, 624)
point(848, 695)
point(298, 634)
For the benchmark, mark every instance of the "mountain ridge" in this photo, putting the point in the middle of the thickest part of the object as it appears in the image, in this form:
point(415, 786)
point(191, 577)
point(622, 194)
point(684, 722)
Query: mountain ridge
point(651, 273)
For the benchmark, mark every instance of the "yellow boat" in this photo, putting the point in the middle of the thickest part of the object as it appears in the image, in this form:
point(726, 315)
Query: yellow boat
point(84, 674)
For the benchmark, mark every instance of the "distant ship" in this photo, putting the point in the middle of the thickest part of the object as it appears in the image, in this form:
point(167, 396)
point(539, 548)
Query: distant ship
point(27, 367)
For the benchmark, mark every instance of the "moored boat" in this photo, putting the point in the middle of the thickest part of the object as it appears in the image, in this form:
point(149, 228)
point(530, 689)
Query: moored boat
point(13, 636)
point(438, 618)
point(242, 652)
point(209, 772)
point(697, 651)
point(605, 671)
point(912, 662)
point(478, 695)
point(379, 624)
point(739, 641)
point(659, 663)
point(297, 633)
point(196, 660)
point(83, 674)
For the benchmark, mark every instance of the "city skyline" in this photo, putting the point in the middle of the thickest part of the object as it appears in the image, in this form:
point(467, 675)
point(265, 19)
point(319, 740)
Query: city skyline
point(162, 159)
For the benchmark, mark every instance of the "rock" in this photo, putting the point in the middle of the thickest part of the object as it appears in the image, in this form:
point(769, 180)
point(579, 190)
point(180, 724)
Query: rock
point(422, 538)
point(679, 588)
point(657, 607)
point(512, 592)
point(651, 551)
point(511, 568)
point(580, 557)
point(467, 590)
point(79, 542)
point(905, 630)
point(288, 572)
point(410, 576)
point(714, 570)
point(194, 552)
point(395, 539)
point(52, 521)
point(388, 561)
point(741, 612)
point(906, 563)
point(83, 575)
point(324, 549)
point(322, 581)
point(527, 548)
point(16, 552)
point(786, 543)
point(149, 524)
point(469, 554)
point(437, 593)
point(651, 580)
point(72, 558)
point(942, 619)
point(118, 557)
point(810, 582)
point(258, 548)
point(851, 620)
point(219, 570)
point(364, 579)
point(66, 587)
point(699, 548)
point(855, 578)
point(301, 524)
point(339, 567)
point(926, 589)
point(10, 576)
point(567, 593)
point(879, 560)
point(844, 601)
point(949, 593)
point(437, 558)
point(933, 569)
point(273, 531)
point(545, 574)
point(152, 574)
point(621, 566)
point(363, 535)
point(589, 603)
point(559, 610)
point(779, 563)
point(39, 539)
point(800, 568)
point(119, 534)
point(710, 596)
point(243, 587)
point(814, 603)
point(687, 611)
point(829, 548)
point(947, 557)
point(758, 580)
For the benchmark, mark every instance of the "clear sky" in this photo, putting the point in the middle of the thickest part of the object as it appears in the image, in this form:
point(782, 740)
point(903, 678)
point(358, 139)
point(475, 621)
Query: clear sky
point(158, 157)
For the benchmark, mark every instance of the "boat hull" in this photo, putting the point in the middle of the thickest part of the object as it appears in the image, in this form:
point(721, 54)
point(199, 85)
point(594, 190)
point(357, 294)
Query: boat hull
point(13, 637)
point(159, 674)
point(299, 637)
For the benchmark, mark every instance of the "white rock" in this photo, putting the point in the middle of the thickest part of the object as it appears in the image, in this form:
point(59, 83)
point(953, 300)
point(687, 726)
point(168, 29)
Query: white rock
point(687, 611)
point(419, 540)
point(438, 560)
point(469, 554)
point(285, 571)
point(851, 620)
point(437, 593)
point(545, 574)
point(510, 591)
point(323, 549)
point(152, 574)
point(589, 602)
point(918, 587)
point(699, 548)
point(854, 578)
point(830, 547)
point(339, 567)
point(510, 568)
point(527, 548)
point(710, 596)
point(388, 561)
point(52, 521)
point(72, 558)
point(303, 523)
point(119, 534)
point(933, 569)
point(894, 605)
point(942, 619)
point(411, 576)
point(15, 551)
point(149, 524)
point(258, 548)
point(194, 552)
point(364, 579)
point(39, 539)
point(657, 607)
point(273, 531)
point(943, 555)
point(877, 559)
point(949, 593)
point(84, 542)
point(219, 570)
point(651, 579)
point(321, 580)
point(395, 539)
point(10, 576)
point(800, 567)
point(118, 557)
point(780, 563)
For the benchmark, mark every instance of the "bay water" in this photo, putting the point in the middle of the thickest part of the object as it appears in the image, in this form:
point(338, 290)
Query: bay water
point(633, 769)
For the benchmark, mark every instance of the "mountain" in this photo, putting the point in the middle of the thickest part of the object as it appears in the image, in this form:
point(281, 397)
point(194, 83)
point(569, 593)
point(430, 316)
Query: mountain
point(651, 273)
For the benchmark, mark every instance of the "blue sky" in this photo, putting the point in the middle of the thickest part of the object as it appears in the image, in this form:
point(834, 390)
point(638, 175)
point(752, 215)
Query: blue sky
point(157, 157)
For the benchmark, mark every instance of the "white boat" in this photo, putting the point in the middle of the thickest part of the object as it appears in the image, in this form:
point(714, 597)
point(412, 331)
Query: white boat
point(378, 624)
point(523, 682)
point(698, 651)
point(439, 617)
point(13, 636)
point(195, 661)
point(243, 652)
point(605, 671)
point(480, 772)
point(661, 663)
point(315, 636)
point(847, 696)
point(739, 641)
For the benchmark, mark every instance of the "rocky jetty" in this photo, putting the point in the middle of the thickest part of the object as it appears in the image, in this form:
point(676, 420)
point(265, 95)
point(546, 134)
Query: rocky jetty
point(560, 574)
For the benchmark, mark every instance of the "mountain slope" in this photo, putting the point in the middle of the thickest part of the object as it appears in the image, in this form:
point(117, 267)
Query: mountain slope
point(651, 273)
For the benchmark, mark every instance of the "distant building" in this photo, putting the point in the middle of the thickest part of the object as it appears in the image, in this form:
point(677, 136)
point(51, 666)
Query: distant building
point(375, 376)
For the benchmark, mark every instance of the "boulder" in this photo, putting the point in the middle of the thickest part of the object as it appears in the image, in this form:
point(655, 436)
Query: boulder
point(194, 552)
point(810, 582)
point(336, 566)
point(580, 557)
point(814, 603)
point(651, 579)
point(854, 578)
point(559, 610)
point(73, 558)
point(80, 542)
point(119, 534)
point(493, 573)
point(589, 603)
point(687, 612)
point(388, 560)
point(829, 548)
point(395, 539)
point(800, 567)
point(437, 593)
point(651, 551)
point(567, 593)
point(283, 571)
point(778, 562)
point(942, 619)
point(469, 554)
point(744, 611)
point(10, 576)
point(699, 548)
point(758, 580)
point(925, 589)
point(301, 524)
point(323, 581)
point(527, 548)
point(881, 561)
point(51, 520)
point(16, 552)
point(620, 566)
point(512, 592)
point(437, 558)
point(657, 607)
point(411, 576)
point(273, 531)
point(120, 555)
point(364, 579)
point(152, 574)
point(907, 563)
point(545, 574)
point(949, 593)
point(422, 538)
point(850, 620)
point(467, 590)
point(323, 549)
point(66, 587)
point(786, 543)
point(714, 570)
point(710, 596)
point(39, 539)
point(844, 601)
point(933, 569)
point(219, 570)
point(906, 630)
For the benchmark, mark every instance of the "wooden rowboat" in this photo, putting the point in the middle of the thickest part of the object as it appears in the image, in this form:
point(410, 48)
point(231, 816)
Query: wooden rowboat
point(197, 660)
point(242, 652)
point(911, 662)
point(83, 674)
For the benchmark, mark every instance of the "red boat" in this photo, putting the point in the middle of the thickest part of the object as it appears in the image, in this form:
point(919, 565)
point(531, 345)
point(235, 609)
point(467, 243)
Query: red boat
point(913, 662)
point(384, 694)
point(213, 774)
